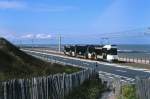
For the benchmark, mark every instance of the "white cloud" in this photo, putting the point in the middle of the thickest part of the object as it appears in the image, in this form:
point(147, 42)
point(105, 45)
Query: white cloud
point(34, 7)
point(12, 5)
point(28, 36)
point(43, 36)
point(36, 36)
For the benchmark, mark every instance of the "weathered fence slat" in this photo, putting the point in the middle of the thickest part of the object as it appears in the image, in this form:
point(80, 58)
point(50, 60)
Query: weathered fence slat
point(143, 88)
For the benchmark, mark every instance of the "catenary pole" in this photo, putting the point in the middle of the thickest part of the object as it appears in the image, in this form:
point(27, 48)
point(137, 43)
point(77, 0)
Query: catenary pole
point(59, 43)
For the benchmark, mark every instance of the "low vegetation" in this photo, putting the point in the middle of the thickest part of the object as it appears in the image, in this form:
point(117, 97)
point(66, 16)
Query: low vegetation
point(128, 92)
point(16, 64)
point(90, 89)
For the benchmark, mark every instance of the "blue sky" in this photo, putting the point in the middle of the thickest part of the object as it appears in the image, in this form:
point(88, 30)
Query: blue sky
point(78, 21)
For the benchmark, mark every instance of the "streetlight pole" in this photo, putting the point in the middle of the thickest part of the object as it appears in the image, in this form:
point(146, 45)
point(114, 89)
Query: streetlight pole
point(32, 42)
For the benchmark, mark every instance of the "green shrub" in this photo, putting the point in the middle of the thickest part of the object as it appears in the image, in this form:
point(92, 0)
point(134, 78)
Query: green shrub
point(129, 92)
point(90, 89)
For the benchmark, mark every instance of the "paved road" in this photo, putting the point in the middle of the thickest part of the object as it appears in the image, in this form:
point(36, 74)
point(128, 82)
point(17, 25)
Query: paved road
point(105, 68)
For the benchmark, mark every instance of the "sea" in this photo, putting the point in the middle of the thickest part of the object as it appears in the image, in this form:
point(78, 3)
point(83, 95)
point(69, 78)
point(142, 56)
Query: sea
point(134, 51)
point(131, 51)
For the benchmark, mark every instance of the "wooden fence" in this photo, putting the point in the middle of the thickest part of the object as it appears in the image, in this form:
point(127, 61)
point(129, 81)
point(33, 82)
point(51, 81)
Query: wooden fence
point(135, 60)
point(50, 87)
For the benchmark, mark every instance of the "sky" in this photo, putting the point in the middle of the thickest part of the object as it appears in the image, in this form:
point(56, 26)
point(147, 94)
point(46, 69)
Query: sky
point(77, 21)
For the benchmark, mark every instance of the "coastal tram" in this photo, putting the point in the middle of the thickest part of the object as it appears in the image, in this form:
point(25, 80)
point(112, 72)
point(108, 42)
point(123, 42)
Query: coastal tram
point(94, 52)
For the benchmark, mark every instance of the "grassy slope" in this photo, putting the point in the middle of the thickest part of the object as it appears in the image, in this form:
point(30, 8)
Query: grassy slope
point(17, 64)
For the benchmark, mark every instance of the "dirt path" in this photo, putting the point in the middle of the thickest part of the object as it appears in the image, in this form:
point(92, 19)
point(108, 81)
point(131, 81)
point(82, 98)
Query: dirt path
point(108, 95)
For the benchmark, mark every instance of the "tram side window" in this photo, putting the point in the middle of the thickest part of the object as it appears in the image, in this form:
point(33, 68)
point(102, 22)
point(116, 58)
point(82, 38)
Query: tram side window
point(72, 48)
point(112, 51)
point(67, 49)
point(98, 51)
point(81, 49)
point(104, 50)
point(90, 49)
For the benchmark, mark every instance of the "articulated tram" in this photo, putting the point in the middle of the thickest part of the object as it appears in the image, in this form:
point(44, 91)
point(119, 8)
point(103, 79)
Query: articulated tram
point(101, 52)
